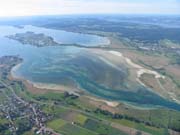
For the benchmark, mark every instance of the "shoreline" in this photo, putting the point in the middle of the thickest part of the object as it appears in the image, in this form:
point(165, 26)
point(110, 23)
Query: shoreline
point(109, 103)
point(44, 88)
point(39, 87)
point(14, 69)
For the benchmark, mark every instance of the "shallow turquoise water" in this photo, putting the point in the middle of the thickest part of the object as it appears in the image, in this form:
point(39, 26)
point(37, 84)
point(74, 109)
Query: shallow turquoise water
point(56, 64)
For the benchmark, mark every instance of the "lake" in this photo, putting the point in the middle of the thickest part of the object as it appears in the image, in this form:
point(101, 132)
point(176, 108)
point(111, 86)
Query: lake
point(70, 65)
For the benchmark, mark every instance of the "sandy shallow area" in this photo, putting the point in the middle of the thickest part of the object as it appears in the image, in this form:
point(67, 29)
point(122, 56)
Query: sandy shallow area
point(140, 70)
point(109, 103)
point(13, 70)
point(116, 59)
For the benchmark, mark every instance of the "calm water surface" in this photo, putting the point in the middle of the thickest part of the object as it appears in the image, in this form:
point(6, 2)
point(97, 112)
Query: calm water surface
point(59, 63)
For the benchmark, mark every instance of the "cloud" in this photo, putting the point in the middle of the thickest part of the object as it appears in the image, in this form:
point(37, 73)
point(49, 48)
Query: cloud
point(47, 7)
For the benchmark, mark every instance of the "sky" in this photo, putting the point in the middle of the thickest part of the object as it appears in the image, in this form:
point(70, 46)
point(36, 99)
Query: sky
point(58, 7)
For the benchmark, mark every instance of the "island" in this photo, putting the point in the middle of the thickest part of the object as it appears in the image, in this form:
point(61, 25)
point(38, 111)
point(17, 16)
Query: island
point(39, 40)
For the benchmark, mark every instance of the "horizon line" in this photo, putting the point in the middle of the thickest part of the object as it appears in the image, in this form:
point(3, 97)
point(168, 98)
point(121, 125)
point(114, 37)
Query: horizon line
point(81, 14)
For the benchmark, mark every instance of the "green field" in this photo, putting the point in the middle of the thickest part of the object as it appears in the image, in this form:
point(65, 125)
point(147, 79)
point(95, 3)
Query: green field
point(66, 128)
point(81, 119)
